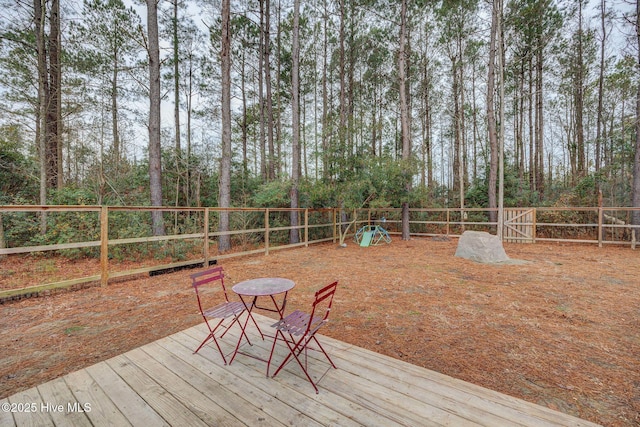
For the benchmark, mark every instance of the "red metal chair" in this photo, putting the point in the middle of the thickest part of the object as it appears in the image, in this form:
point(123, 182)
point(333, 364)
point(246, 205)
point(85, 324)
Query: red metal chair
point(301, 329)
point(220, 311)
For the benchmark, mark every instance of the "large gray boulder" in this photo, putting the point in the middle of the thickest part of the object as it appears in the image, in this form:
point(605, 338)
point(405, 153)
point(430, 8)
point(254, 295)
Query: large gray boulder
point(482, 247)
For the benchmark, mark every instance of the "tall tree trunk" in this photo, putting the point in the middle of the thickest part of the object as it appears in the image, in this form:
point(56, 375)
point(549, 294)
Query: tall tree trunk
point(278, 120)
point(474, 109)
point(501, 101)
point(635, 217)
point(155, 154)
point(176, 112)
point(491, 118)
point(56, 71)
point(41, 113)
point(245, 122)
point(456, 122)
point(532, 153)
point(404, 119)
point(114, 115)
point(572, 148)
point(380, 120)
point(316, 140)
point(599, 119)
point(304, 164)
point(427, 118)
point(224, 193)
point(350, 95)
point(295, 121)
point(458, 161)
point(342, 131)
point(460, 154)
point(325, 96)
point(579, 99)
point(374, 126)
point(53, 115)
point(176, 80)
point(464, 171)
point(189, 100)
point(520, 135)
point(539, 128)
point(264, 155)
point(272, 159)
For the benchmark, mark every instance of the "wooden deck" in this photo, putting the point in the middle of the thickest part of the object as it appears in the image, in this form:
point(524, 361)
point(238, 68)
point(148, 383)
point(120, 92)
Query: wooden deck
point(164, 383)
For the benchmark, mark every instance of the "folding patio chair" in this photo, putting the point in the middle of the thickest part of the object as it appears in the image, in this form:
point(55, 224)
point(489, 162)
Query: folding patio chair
point(301, 329)
point(219, 312)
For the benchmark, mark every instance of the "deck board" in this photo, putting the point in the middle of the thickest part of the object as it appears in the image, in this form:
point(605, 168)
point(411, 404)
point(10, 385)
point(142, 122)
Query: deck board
point(133, 407)
point(57, 391)
point(6, 419)
point(164, 383)
point(28, 409)
point(86, 390)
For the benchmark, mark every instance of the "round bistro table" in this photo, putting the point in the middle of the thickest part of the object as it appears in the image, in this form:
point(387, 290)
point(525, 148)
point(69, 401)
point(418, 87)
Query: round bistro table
point(251, 290)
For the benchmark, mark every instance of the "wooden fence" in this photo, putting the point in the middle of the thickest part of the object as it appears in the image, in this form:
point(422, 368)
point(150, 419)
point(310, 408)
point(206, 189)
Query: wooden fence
point(201, 225)
point(104, 230)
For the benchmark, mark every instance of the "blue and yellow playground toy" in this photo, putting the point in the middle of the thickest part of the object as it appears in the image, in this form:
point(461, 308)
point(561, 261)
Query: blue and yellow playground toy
point(371, 235)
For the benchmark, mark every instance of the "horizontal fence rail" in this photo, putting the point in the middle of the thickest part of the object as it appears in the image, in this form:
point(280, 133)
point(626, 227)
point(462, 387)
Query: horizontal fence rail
point(192, 234)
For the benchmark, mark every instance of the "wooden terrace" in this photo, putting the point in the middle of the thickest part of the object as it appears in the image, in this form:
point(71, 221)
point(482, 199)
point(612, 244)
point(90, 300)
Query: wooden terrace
point(164, 383)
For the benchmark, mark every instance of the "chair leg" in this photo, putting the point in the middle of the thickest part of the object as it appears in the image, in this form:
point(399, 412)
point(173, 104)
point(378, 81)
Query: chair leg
point(211, 334)
point(286, 359)
point(243, 332)
point(236, 318)
point(256, 325)
point(297, 348)
point(321, 349)
point(206, 340)
point(224, 359)
point(273, 348)
point(212, 338)
point(248, 310)
point(324, 352)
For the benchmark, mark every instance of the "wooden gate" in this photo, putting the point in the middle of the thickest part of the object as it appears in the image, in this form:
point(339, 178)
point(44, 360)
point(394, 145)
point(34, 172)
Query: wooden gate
point(519, 225)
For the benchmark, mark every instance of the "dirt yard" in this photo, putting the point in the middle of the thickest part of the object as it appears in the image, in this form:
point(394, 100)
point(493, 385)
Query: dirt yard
point(562, 330)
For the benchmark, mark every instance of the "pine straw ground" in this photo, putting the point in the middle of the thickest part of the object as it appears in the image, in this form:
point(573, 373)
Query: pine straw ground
point(562, 330)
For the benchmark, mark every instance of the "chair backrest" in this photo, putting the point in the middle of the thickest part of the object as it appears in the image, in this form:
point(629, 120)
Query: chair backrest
point(211, 275)
point(322, 306)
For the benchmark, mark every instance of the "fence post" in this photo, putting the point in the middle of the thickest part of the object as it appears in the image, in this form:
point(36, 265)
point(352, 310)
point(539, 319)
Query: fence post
point(3, 244)
point(266, 231)
point(448, 219)
point(206, 238)
point(104, 245)
point(600, 230)
point(535, 220)
point(306, 227)
point(335, 224)
point(355, 221)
